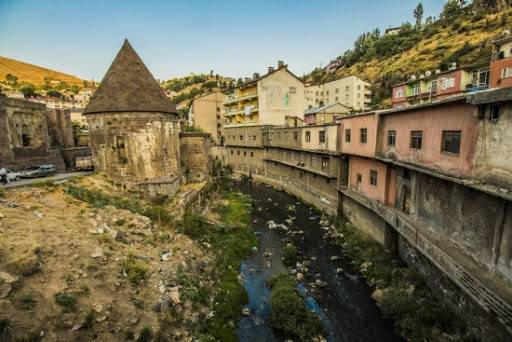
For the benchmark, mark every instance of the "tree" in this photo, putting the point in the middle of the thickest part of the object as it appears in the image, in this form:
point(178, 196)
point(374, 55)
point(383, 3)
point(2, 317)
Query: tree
point(12, 80)
point(451, 8)
point(418, 14)
point(28, 90)
point(75, 89)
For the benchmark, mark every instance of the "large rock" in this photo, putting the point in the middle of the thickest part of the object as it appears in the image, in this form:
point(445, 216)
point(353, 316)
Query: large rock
point(377, 295)
point(7, 282)
point(174, 294)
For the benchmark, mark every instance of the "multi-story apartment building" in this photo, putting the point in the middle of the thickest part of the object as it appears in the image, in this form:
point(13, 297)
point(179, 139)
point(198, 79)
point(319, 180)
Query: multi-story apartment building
point(439, 174)
point(206, 113)
point(439, 85)
point(265, 100)
point(501, 63)
point(350, 91)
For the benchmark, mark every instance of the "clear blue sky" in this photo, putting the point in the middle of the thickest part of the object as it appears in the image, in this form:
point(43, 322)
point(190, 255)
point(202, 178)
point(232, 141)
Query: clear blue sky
point(174, 38)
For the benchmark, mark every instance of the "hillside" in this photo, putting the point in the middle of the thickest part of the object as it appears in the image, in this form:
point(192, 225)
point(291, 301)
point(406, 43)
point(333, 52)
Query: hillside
point(182, 90)
point(33, 74)
point(462, 35)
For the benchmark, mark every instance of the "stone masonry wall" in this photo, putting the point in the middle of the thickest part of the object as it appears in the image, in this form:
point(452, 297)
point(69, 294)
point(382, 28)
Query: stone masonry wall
point(135, 147)
point(195, 156)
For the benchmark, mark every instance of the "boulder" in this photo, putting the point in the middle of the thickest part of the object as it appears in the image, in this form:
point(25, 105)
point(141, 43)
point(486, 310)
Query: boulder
point(174, 295)
point(300, 276)
point(7, 282)
point(377, 295)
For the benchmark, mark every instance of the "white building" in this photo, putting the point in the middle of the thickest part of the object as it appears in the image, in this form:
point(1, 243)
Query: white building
point(350, 91)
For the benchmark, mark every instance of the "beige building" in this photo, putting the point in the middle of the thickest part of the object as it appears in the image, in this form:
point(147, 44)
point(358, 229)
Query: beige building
point(326, 114)
point(205, 113)
point(350, 91)
point(265, 100)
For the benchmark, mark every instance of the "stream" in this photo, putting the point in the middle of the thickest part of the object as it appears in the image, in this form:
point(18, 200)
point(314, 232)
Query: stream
point(343, 302)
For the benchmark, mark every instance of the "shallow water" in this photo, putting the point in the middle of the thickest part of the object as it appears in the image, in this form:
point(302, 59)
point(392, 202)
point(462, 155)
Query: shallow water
point(345, 307)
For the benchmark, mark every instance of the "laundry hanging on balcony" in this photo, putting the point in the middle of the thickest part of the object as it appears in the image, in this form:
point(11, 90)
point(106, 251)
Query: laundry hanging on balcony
point(248, 109)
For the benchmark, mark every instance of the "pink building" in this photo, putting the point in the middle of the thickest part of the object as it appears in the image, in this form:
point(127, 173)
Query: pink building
point(359, 134)
point(373, 179)
point(439, 136)
point(501, 63)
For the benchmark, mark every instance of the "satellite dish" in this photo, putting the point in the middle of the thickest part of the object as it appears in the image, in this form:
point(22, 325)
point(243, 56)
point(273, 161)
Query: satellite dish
point(428, 73)
point(413, 77)
point(438, 71)
point(422, 76)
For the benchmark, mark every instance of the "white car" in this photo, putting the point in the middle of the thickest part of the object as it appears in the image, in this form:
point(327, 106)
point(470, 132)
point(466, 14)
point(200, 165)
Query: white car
point(13, 176)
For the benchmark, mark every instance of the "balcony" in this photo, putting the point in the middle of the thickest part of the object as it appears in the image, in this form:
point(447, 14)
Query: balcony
point(238, 111)
point(235, 99)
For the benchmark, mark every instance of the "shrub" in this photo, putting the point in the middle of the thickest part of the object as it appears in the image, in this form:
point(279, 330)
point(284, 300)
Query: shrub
point(68, 301)
point(27, 301)
point(89, 319)
point(288, 312)
point(2, 192)
point(290, 257)
point(135, 270)
point(145, 335)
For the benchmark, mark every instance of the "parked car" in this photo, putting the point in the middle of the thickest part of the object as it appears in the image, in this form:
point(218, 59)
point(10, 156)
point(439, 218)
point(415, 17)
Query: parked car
point(84, 163)
point(39, 171)
point(13, 176)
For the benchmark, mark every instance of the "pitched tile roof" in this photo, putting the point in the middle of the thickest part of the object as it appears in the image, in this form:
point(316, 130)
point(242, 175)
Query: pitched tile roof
point(128, 86)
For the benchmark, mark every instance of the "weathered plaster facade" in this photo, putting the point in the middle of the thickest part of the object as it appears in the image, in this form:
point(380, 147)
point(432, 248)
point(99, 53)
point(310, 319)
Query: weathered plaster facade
point(60, 127)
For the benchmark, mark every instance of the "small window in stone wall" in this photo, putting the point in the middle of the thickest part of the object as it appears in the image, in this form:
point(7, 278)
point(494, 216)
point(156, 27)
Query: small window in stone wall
point(308, 136)
point(363, 135)
point(416, 139)
point(495, 113)
point(231, 151)
point(347, 135)
point(238, 152)
point(295, 135)
point(245, 154)
point(391, 138)
point(359, 178)
point(252, 154)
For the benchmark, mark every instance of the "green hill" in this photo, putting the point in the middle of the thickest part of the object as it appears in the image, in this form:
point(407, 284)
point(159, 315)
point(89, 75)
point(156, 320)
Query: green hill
point(463, 34)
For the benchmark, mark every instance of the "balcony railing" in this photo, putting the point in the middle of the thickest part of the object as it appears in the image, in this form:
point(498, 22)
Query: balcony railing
point(233, 99)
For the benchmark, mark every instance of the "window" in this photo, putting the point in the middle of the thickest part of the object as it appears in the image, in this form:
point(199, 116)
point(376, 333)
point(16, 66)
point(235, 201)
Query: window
point(295, 135)
point(448, 83)
point(451, 142)
point(347, 135)
point(416, 139)
point(373, 177)
point(399, 93)
point(325, 163)
point(336, 99)
point(321, 137)
point(241, 137)
point(231, 151)
point(245, 154)
point(313, 161)
point(253, 138)
point(391, 138)
point(293, 90)
point(506, 72)
point(347, 88)
point(308, 136)
point(495, 113)
point(336, 90)
point(238, 152)
point(327, 93)
point(363, 135)
point(433, 86)
point(252, 154)
point(359, 178)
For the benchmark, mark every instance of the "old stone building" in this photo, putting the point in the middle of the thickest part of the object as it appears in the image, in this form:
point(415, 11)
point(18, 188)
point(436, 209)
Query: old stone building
point(134, 131)
point(24, 138)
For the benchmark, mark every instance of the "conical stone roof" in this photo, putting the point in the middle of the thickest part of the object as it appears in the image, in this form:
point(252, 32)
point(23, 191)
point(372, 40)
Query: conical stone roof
point(128, 86)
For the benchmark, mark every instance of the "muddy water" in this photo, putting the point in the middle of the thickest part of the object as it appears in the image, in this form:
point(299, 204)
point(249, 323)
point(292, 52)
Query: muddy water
point(344, 305)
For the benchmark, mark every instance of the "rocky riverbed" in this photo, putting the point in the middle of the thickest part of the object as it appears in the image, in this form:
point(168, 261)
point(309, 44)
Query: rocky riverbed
point(327, 280)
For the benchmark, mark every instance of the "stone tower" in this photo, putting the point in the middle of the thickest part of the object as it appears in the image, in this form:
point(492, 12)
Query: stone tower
point(134, 131)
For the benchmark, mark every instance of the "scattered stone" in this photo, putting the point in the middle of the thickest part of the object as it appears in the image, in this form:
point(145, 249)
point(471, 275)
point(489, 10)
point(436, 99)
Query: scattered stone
point(165, 256)
point(76, 327)
point(162, 289)
point(2, 216)
point(165, 306)
point(7, 281)
point(246, 312)
point(335, 258)
point(38, 214)
point(267, 254)
point(410, 290)
point(300, 276)
point(174, 294)
point(156, 307)
point(97, 254)
point(339, 270)
point(377, 295)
